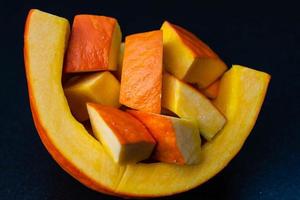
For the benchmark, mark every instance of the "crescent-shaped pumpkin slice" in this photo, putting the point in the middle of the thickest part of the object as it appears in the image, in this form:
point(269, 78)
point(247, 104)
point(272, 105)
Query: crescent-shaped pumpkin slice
point(241, 95)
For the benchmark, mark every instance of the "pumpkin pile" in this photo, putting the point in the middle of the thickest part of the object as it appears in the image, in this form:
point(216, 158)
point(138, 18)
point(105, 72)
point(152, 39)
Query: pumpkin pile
point(152, 98)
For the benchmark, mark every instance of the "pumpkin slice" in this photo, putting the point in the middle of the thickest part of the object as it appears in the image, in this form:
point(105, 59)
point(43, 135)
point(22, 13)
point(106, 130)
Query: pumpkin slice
point(125, 138)
point(142, 72)
point(100, 87)
point(94, 44)
point(188, 58)
point(178, 140)
point(66, 139)
point(187, 102)
point(84, 157)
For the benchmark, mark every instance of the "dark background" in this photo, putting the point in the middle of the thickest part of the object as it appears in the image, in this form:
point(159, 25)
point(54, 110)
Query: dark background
point(263, 36)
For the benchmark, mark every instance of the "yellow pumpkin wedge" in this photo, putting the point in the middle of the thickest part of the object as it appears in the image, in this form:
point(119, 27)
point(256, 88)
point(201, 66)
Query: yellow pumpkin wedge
point(99, 87)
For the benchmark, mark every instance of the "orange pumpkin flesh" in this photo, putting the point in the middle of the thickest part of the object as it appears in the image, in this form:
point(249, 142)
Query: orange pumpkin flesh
point(94, 44)
point(125, 138)
point(240, 98)
point(142, 72)
point(178, 140)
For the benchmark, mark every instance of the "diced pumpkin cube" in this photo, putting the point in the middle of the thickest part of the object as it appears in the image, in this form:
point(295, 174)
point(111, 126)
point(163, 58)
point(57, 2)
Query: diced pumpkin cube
point(240, 78)
point(94, 44)
point(187, 102)
point(142, 72)
point(178, 140)
point(124, 137)
point(188, 58)
point(100, 87)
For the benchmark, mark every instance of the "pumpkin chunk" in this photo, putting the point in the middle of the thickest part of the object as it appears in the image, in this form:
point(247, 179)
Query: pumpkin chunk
point(124, 137)
point(142, 72)
point(178, 140)
point(187, 102)
point(94, 44)
point(188, 58)
point(100, 87)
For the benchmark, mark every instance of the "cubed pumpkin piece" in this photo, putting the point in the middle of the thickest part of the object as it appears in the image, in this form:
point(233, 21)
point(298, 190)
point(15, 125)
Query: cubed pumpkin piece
point(124, 137)
point(100, 87)
point(212, 90)
point(142, 72)
point(240, 78)
point(94, 44)
point(178, 140)
point(187, 102)
point(188, 58)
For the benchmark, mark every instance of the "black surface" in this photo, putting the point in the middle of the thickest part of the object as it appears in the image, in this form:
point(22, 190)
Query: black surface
point(261, 36)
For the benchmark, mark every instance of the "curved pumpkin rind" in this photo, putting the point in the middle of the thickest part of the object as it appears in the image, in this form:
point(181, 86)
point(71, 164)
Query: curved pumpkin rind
point(56, 155)
point(127, 190)
point(61, 160)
